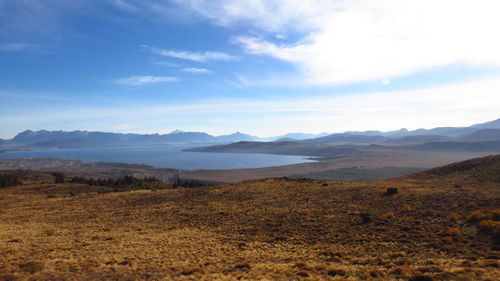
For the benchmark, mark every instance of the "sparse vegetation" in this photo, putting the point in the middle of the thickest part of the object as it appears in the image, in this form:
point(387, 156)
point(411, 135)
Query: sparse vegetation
point(273, 229)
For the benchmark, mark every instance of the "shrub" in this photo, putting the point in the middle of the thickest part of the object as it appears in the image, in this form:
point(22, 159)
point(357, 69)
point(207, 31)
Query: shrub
point(421, 278)
point(386, 216)
point(9, 180)
point(58, 177)
point(448, 239)
point(477, 216)
point(391, 191)
point(489, 226)
point(365, 217)
point(31, 267)
point(429, 212)
point(495, 214)
point(471, 204)
point(453, 231)
point(49, 232)
point(453, 217)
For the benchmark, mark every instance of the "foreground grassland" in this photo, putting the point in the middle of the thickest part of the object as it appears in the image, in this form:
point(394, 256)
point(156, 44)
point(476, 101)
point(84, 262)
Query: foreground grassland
point(271, 229)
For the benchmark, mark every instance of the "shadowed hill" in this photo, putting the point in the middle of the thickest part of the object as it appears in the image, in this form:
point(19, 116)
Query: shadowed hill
point(478, 170)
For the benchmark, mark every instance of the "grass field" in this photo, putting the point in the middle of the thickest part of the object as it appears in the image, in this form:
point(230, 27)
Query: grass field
point(430, 228)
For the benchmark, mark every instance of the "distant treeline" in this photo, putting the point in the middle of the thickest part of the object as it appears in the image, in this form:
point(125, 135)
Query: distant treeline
point(9, 180)
point(131, 181)
point(122, 181)
point(178, 182)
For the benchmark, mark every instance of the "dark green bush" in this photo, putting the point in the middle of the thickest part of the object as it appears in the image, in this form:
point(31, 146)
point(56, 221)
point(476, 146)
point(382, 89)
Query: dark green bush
point(391, 191)
point(366, 217)
point(9, 180)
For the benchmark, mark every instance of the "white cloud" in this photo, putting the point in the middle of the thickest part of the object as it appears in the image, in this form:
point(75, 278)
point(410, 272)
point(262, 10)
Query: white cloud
point(142, 80)
point(350, 41)
point(269, 15)
point(196, 70)
point(194, 56)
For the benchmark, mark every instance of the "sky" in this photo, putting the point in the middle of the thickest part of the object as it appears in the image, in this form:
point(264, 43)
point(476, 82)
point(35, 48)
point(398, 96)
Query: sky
point(261, 67)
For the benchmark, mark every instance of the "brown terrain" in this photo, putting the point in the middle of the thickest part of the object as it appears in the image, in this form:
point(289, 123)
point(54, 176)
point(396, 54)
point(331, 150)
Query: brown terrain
point(366, 160)
point(440, 224)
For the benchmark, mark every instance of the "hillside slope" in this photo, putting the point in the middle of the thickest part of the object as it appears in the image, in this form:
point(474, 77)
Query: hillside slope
point(269, 229)
point(484, 170)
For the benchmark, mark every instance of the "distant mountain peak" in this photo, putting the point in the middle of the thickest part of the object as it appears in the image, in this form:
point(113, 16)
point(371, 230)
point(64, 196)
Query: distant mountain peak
point(495, 124)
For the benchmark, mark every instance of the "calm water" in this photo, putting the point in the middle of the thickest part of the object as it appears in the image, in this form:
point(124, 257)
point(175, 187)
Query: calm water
point(164, 156)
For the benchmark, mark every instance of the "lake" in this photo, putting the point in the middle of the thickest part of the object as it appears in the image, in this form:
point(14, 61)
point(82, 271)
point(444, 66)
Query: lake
point(164, 156)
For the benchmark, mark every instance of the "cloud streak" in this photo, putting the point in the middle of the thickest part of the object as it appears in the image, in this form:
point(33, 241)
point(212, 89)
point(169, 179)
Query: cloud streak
point(196, 70)
point(192, 56)
point(18, 47)
point(144, 80)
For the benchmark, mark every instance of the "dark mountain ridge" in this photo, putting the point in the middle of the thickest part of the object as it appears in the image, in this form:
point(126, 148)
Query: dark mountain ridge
point(488, 131)
point(62, 139)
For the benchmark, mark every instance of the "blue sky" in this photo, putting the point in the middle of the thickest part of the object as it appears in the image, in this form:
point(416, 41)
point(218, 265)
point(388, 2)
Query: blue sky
point(261, 67)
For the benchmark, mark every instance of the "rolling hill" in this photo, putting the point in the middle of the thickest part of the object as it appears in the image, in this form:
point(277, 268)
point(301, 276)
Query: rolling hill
point(484, 170)
point(267, 229)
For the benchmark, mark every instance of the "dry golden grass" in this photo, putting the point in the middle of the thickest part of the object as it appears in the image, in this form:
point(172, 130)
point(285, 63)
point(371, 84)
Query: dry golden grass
point(272, 229)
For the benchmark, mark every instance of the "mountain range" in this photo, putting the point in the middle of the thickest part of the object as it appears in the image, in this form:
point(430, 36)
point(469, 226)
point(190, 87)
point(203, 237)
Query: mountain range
point(488, 131)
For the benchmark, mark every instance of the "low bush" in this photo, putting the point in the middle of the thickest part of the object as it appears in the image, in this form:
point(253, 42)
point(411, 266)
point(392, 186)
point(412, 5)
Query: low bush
point(391, 191)
point(453, 231)
point(58, 177)
point(478, 216)
point(366, 217)
point(387, 216)
point(429, 212)
point(7, 180)
point(453, 217)
point(406, 208)
point(489, 226)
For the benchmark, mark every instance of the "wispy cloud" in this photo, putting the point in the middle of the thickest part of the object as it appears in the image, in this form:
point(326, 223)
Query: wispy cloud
point(18, 47)
point(269, 15)
point(196, 70)
point(165, 63)
point(142, 80)
point(193, 56)
point(124, 5)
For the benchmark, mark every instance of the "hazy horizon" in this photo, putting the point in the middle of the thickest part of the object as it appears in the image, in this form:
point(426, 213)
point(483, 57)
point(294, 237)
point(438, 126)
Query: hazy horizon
point(265, 68)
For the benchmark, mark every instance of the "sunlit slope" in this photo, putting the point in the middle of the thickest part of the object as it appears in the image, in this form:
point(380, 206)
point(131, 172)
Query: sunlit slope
point(275, 228)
